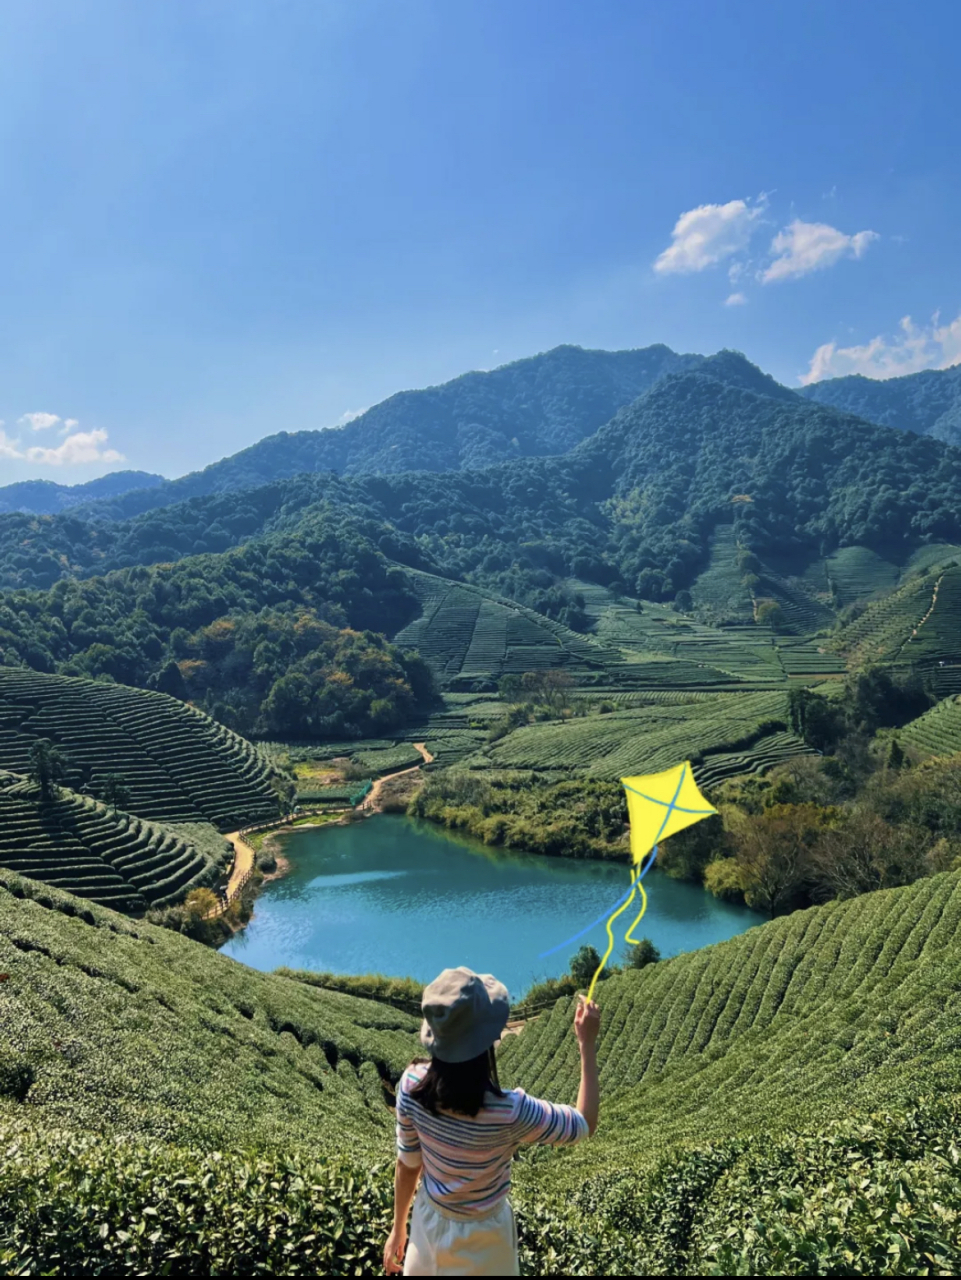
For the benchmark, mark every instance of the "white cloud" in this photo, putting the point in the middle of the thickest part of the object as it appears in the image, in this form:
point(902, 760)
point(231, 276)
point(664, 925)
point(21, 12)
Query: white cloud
point(932, 346)
point(79, 448)
point(39, 421)
point(810, 246)
point(708, 234)
point(735, 300)
point(349, 416)
point(8, 447)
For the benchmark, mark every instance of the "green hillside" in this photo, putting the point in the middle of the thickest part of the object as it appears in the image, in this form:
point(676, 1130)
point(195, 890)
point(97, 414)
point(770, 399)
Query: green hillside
point(928, 402)
point(754, 1116)
point(122, 1027)
point(88, 849)
point(541, 405)
point(177, 763)
point(938, 731)
point(829, 1011)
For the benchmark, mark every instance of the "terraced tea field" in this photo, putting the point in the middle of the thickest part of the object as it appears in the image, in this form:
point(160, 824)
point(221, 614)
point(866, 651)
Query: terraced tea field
point(938, 731)
point(644, 739)
point(919, 623)
point(179, 765)
point(467, 635)
point(134, 1029)
point(812, 1015)
point(79, 845)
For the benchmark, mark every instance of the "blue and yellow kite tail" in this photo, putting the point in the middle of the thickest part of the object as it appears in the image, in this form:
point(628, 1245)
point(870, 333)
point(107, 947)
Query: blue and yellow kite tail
point(636, 877)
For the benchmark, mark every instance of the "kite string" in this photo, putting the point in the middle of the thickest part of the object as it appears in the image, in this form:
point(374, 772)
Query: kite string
point(636, 877)
point(610, 938)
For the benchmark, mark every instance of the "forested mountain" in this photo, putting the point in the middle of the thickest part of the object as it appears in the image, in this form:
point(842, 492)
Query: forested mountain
point(44, 497)
point(636, 503)
point(928, 403)
point(534, 407)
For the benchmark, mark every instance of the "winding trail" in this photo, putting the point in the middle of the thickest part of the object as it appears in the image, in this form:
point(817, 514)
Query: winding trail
point(369, 803)
point(243, 864)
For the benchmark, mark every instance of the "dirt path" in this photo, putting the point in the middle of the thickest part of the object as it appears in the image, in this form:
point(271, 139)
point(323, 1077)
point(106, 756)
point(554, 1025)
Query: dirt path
point(914, 630)
point(369, 803)
point(243, 864)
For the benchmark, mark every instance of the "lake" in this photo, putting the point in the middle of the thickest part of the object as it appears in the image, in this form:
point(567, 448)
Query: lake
point(397, 896)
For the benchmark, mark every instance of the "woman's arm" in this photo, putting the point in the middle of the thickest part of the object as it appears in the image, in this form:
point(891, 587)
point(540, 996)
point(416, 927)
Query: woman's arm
point(405, 1184)
point(587, 1023)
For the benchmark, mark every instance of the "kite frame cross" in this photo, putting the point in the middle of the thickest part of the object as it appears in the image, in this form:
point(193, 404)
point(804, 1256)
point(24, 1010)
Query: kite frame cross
point(672, 807)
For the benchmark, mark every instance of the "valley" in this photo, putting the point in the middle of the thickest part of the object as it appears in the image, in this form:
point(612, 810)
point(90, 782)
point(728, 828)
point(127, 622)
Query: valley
point(478, 607)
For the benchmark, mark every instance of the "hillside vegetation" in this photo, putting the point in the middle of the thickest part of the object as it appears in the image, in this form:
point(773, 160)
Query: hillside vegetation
point(177, 765)
point(759, 1115)
point(830, 1010)
point(101, 853)
point(541, 405)
point(44, 497)
point(928, 402)
point(121, 1027)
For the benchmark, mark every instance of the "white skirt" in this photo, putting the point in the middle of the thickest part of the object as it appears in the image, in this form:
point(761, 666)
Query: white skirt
point(441, 1245)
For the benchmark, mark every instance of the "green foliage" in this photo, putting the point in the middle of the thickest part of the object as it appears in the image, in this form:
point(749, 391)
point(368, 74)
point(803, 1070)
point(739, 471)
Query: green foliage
point(47, 767)
point(834, 1010)
point(928, 403)
point(576, 819)
point(178, 765)
point(584, 965)
point(99, 852)
point(133, 1029)
point(641, 954)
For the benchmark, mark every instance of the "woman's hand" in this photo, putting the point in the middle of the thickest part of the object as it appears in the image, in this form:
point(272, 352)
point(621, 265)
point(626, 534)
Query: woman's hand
point(394, 1250)
point(587, 1021)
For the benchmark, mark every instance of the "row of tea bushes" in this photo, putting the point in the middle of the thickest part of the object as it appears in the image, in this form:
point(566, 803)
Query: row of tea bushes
point(178, 764)
point(111, 857)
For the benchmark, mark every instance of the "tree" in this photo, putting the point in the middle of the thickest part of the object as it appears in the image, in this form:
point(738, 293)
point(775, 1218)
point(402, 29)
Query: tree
point(585, 965)
point(116, 791)
point(772, 851)
point(642, 954)
point(770, 612)
point(895, 755)
point(819, 722)
point(48, 767)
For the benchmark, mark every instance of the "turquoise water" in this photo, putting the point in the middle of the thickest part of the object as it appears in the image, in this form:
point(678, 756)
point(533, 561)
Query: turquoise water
point(391, 895)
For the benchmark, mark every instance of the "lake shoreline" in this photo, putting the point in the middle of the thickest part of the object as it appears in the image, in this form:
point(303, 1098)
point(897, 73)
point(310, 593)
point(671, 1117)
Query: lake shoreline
point(404, 896)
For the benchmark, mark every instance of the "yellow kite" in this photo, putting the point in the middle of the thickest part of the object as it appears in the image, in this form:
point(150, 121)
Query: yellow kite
point(658, 805)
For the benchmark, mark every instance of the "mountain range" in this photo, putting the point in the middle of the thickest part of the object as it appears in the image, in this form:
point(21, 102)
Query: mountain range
point(541, 406)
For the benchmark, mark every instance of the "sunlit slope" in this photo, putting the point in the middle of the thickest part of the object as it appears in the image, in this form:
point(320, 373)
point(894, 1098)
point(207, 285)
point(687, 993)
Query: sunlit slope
point(178, 764)
point(109, 1025)
point(96, 852)
point(843, 1007)
point(918, 623)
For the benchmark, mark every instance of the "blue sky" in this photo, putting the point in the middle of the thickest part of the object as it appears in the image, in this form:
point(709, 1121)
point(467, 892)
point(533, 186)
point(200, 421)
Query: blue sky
point(225, 218)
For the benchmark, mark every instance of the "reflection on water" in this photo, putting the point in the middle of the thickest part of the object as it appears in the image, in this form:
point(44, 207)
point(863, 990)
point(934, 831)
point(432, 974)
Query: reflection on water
point(393, 896)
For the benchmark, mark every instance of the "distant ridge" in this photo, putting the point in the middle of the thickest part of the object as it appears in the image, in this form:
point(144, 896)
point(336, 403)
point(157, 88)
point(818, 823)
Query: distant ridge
point(539, 406)
point(928, 403)
point(46, 498)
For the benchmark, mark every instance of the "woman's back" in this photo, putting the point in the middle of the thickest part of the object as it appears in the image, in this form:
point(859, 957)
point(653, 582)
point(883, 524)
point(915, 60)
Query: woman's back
point(466, 1159)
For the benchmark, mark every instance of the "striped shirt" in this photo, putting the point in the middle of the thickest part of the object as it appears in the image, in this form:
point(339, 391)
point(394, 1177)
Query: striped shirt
point(466, 1160)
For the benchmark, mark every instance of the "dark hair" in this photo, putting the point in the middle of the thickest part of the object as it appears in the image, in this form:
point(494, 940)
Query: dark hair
point(458, 1086)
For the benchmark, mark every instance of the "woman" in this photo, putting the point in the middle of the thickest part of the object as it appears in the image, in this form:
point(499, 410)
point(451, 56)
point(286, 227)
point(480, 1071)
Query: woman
point(457, 1131)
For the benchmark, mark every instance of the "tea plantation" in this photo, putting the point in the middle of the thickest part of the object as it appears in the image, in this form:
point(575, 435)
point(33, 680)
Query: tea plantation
point(121, 1027)
point(81, 846)
point(166, 1110)
point(177, 763)
point(830, 1011)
